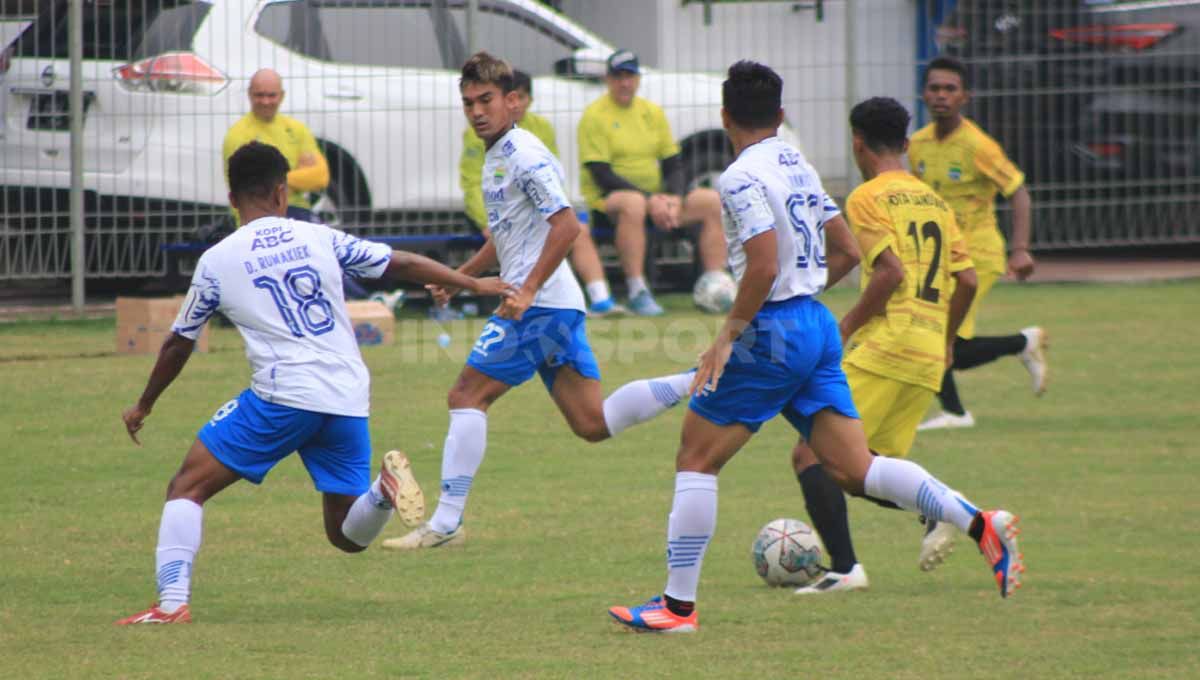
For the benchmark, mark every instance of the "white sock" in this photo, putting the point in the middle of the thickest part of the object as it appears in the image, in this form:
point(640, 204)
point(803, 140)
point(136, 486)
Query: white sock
point(908, 485)
point(641, 400)
point(635, 284)
point(367, 517)
point(461, 457)
point(178, 540)
point(598, 291)
point(689, 529)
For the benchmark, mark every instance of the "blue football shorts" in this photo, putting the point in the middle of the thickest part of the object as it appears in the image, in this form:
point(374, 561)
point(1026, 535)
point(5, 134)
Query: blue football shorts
point(543, 341)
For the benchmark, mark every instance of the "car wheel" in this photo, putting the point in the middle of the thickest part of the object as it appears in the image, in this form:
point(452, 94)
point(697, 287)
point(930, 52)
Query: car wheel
point(702, 167)
point(346, 201)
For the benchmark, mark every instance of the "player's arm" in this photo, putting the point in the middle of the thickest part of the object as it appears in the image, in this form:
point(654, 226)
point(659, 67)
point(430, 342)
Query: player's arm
point(1020, 261)
point(564, 229)
point(202, 301)
point(964, 292)
point(841, 249)
point(762, 268)
point(420, 269)
point(484, 260)
point(886, 276)
point(172, 356)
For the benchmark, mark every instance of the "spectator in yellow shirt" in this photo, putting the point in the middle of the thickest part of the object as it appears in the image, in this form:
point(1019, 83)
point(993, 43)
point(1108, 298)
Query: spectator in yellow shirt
point(627, 149)
point(584, 257)
point(309, 169)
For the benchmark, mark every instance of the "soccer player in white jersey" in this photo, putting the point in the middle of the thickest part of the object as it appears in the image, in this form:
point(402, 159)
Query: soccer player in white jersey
point(540, 327)
point(780, 350)
point(280, 282)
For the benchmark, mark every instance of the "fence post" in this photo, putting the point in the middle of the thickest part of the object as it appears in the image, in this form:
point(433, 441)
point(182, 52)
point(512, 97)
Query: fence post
point(472, 27)
point(78, 258)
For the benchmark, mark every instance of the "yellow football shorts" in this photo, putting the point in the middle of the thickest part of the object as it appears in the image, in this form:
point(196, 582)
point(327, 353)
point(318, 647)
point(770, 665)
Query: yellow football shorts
point(890, 410)
point(986, 280)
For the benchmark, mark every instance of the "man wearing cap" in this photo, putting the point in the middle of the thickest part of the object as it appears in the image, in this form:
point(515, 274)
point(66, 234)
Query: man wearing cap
point(627, 149)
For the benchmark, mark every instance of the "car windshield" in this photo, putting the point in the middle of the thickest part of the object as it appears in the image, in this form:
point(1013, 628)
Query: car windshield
point(115, 31)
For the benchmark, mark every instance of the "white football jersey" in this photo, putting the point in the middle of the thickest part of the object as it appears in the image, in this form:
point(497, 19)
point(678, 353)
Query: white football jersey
point(772, 186)
point(523, 185)
point(280, 282)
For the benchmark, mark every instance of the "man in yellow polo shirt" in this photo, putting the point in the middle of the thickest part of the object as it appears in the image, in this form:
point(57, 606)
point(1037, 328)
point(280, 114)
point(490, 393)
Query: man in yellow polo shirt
point(584, 257)
point(309, 169)
point(626, 149)
point(968, 168)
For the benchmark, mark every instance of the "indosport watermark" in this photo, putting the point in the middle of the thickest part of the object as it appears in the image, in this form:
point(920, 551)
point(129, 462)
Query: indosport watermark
point(621, 341)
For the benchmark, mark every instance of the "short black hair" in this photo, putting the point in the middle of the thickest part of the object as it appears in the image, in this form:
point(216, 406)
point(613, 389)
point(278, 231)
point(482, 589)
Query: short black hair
point(256, 169)
point(522, 81)
point(945, 63)
point(882, 122)
point(752, 94)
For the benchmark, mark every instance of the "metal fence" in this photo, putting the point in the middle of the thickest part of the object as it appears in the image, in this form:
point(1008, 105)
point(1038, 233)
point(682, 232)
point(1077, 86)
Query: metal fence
point(1099, 102)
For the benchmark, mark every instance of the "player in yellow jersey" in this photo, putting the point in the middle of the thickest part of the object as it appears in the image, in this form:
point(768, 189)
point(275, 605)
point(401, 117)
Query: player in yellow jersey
point(917, 283)
point(584, 257)
point(968, 168)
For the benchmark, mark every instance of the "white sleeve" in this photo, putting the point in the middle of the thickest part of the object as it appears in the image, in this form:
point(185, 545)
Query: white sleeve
point(831, 209)
point(359, 258)
point(540, 182)
point(203, 299)
point(745, 202)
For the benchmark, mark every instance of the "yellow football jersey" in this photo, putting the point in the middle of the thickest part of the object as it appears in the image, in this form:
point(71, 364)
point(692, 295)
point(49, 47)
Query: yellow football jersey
point(290, 136)
point(633, 139)
point(470, 164)
point(908, 343)
point(968, 168)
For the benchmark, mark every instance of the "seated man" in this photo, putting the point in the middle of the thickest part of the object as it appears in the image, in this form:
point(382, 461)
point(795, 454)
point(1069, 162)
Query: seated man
point(626, 149)
point(470, 178)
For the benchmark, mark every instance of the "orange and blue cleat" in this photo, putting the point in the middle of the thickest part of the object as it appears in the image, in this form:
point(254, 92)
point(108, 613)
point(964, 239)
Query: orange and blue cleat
point(998, 543)
point(156, 615)
point(654, 617)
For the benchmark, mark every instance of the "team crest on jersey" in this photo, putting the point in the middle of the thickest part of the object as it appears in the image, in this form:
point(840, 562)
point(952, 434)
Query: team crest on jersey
point(955, 173)
point(498, 175)
point(509, 148)
point(920, 168)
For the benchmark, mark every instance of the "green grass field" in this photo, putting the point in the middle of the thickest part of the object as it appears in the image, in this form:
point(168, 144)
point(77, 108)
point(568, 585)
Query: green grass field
point(1103, 471)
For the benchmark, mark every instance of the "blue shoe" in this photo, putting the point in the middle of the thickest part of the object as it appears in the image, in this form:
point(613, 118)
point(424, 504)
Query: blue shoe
point(643, 304)
point(605, 308)
point(654, 617)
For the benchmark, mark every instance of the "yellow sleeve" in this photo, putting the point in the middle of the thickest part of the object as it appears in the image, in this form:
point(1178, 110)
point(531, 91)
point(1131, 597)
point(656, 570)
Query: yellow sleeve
point(960, 259)
point(667, 146)
point(470, 177)
point(314, 177)
point(991, 161)
point(541, 128)
point(871, 225)
point(593, 140)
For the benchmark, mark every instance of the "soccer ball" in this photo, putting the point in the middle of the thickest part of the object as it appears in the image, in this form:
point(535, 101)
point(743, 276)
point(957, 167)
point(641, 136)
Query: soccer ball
point(787, 552)
point(714, 292)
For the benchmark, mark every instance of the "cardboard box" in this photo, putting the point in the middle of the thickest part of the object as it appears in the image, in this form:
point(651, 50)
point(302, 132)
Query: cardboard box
point(373, 323)
point(143, 324)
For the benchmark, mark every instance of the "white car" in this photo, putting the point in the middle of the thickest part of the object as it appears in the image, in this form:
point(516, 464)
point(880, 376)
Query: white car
point(376, 81)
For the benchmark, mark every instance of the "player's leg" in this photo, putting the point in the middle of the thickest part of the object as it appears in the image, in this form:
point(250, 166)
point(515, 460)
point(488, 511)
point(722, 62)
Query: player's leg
point(826, 505)
point(703, 206)
point(704, 449)
point(200, 477)
point(627, 210)
point(338, 458)
point(841, 445)
point(462, 455)
point(954, 414)
point(586, 261)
